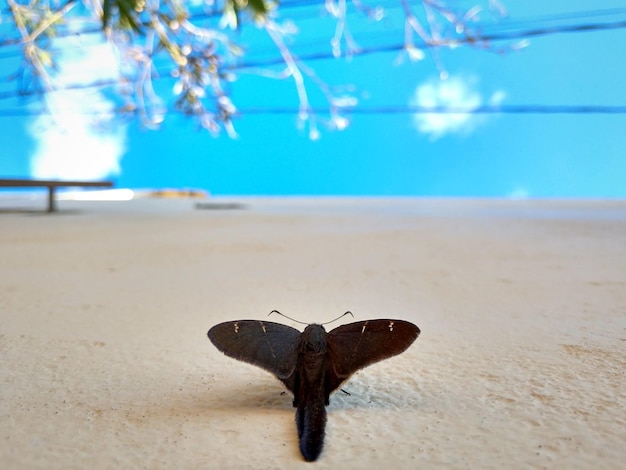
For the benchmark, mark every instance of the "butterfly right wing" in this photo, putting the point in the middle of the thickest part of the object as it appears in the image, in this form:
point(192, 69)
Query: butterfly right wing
point(268, 345)
point(357, 345)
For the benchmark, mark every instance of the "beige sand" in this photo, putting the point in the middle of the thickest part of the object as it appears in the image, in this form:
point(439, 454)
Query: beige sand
point(521, 362)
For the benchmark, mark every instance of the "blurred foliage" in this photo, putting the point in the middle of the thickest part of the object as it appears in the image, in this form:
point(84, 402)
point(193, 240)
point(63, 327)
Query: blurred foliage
point(202, 57)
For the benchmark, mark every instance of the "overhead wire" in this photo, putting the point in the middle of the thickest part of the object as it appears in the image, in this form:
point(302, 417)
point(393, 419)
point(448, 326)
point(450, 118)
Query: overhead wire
point(482, 39)
point(395, 47)
point(371, 110)
point(488, 109)
point(212, 14)
point(491, 32)
point(389, 4)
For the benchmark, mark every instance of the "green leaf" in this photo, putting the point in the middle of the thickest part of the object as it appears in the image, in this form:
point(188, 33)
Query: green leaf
point(126, 11)
point(258, 6)
point(106, 12)
point(232, 9)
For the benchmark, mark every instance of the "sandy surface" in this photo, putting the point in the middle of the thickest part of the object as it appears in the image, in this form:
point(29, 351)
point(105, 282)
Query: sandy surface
point(104, 309)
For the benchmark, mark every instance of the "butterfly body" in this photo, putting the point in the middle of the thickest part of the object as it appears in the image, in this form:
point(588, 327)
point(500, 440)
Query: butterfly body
point(314, 363)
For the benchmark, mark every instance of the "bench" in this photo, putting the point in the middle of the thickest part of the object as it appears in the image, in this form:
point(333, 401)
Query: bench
point(52, 185)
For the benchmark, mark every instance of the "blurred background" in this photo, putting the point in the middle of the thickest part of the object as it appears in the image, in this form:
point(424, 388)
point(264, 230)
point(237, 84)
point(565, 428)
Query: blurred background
point(454, 98)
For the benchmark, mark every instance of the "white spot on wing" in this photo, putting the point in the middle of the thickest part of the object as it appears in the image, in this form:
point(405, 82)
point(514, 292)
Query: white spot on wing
point(363, 329)
point(263, 326)
point(390, 326)
point(236, 327)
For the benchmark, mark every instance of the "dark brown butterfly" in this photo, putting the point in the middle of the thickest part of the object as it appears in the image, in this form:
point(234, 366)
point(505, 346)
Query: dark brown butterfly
point(314, 363)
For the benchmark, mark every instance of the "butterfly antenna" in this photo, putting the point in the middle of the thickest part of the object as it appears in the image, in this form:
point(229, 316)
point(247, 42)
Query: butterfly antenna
point(289, 318)
point(339, 317)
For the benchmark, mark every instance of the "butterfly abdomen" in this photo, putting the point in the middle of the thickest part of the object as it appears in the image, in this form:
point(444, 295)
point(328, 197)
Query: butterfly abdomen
point(311, 422)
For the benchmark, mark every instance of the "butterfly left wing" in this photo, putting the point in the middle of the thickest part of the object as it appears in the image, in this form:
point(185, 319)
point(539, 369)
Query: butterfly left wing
point(356, 345)
point(268, 345)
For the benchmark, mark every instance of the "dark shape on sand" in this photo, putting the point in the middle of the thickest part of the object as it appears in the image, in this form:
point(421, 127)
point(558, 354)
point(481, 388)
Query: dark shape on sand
point(314, 363)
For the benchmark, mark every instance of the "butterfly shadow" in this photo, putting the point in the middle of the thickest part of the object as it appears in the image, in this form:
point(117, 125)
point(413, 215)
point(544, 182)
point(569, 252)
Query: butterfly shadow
point(360, 396)
point(268, 393)
point(262, 393)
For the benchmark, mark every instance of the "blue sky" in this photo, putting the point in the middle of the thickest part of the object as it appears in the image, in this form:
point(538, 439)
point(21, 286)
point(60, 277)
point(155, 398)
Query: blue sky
point(494, 155)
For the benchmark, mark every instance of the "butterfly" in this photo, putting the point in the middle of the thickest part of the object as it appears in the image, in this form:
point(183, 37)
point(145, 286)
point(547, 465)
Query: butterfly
point(312, 364)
